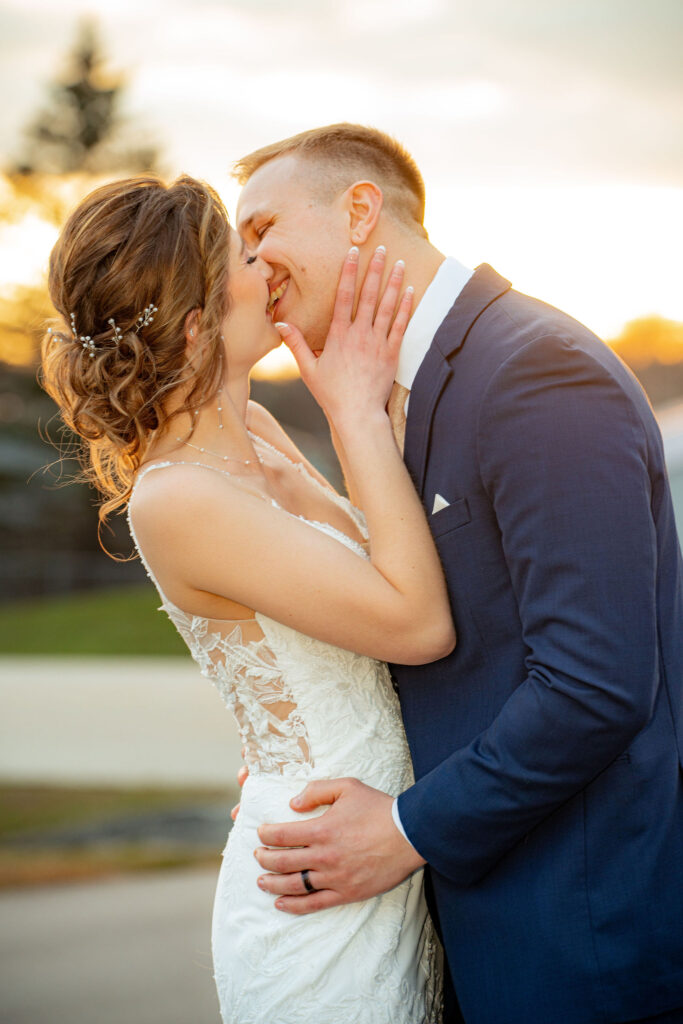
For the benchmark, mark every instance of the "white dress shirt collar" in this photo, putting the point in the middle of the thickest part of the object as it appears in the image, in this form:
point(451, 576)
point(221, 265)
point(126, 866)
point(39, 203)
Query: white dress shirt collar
point(443, 290)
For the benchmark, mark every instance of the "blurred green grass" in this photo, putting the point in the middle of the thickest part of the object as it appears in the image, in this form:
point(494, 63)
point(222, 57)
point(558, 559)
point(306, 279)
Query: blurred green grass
point(28, 808)
point(31, 817)
point(118, 621)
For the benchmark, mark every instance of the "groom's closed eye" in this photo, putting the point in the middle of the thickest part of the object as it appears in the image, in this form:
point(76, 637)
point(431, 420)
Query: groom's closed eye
point(262, 229)
point(255, 226)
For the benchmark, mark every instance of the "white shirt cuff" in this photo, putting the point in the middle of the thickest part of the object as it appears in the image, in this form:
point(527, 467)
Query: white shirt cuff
point(397, 821)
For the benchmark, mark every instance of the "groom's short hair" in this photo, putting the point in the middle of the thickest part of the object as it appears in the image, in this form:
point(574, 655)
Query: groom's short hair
point(347, 153)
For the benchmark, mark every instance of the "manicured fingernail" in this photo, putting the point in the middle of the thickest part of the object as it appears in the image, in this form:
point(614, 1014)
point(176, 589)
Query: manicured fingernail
point(410, 290)
point(296, 801)
point(256, 854)
point(381, 250)
point(283, 328)
point(399, 265)
point(261, 884)
point(353, 253)
point(279, 904)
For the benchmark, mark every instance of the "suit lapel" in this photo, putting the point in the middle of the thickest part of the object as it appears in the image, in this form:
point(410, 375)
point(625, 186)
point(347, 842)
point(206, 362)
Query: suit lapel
point(483, 288)
point(421, 410)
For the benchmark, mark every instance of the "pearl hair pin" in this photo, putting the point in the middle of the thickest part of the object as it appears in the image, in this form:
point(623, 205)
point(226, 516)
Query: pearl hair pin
point(143, 319)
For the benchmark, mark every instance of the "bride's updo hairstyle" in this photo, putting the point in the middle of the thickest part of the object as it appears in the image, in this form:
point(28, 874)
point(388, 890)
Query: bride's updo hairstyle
point(134, 258)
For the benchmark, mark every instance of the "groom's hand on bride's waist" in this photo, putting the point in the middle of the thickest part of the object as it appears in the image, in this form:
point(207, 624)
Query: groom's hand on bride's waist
point(351, 852)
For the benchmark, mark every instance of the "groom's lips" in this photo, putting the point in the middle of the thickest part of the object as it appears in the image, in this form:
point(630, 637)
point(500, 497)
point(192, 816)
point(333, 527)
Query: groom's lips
point(275, 296)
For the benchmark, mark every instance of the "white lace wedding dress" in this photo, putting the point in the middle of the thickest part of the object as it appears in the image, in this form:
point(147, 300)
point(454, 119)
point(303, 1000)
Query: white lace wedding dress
point(308, 710)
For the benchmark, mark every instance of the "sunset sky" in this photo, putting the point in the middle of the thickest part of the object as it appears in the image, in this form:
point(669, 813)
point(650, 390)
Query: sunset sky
point(550, 134)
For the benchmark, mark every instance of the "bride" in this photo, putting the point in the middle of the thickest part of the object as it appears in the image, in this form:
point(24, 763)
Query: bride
point(287, 600)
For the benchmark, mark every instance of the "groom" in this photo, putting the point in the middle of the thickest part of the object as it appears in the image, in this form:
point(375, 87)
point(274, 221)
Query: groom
point(548, 748)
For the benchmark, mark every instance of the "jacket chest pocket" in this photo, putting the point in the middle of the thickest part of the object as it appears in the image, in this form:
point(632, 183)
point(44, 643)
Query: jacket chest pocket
point(446, 520)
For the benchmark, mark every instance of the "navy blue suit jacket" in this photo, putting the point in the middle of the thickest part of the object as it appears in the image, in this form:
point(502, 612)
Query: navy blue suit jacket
point(548, 748)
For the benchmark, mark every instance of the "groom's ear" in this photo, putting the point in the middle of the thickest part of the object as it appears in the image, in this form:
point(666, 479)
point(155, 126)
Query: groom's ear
point(363, 202)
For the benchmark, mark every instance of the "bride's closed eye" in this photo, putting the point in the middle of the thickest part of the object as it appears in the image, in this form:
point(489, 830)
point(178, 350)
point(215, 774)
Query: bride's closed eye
point(250, 260)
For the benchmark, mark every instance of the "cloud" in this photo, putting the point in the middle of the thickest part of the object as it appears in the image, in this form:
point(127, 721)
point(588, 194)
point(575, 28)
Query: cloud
point(531, 91)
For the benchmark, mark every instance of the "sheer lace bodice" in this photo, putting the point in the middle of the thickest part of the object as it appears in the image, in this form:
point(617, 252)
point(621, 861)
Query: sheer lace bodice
point(239, 660)
point(285, 688)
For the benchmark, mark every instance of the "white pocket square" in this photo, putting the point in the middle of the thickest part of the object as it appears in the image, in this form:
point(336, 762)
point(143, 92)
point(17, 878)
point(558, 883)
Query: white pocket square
point(439, 503)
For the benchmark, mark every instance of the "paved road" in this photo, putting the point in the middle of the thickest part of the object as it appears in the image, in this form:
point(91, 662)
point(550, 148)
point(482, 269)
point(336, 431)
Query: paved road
point(115, 721)
point(134, 950)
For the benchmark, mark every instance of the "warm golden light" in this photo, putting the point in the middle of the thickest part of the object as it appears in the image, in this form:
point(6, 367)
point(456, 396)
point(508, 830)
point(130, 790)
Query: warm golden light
point(277, 365)
point(650, 339)
point(24, 250)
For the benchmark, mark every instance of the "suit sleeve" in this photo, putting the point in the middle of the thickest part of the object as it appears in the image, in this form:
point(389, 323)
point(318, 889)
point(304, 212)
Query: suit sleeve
point(563, 457)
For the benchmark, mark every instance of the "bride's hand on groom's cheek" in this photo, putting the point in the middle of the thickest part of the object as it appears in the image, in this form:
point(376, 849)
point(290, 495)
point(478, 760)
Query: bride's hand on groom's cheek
point(351, 852)
point(354, 373)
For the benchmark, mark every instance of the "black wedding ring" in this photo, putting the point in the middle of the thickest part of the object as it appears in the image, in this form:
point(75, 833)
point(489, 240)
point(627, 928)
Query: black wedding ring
point(308, 886)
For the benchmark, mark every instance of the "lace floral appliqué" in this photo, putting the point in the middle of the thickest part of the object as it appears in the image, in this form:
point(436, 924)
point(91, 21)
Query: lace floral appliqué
point(246, 674)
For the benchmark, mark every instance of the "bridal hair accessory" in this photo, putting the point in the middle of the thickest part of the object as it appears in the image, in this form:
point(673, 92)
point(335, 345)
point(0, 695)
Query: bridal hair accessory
point(143, 319)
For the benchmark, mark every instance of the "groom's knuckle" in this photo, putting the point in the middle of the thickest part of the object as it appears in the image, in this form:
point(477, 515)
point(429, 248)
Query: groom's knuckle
point(314, 829)
point(321, 833)
point(325, 857)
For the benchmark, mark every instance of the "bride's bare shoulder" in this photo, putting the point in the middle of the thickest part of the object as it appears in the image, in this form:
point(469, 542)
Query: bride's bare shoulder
point(264, 425)
point(171, 489)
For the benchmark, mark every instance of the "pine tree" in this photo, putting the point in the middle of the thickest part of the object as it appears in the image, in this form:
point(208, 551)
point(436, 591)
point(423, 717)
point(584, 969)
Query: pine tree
point(81, 130)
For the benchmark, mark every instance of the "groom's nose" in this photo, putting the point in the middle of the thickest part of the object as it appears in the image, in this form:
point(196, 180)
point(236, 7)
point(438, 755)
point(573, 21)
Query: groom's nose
point(258, 261)
point(265, 267)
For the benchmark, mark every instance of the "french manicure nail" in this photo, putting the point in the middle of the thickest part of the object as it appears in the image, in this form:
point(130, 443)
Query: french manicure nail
point(410, 290)
point(399, 263)
point(381, 250)
point(353, 252)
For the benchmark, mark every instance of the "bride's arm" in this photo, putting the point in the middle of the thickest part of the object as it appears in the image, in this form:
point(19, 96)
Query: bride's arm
point(351, 488)
point(203, 534)
point(352, 380)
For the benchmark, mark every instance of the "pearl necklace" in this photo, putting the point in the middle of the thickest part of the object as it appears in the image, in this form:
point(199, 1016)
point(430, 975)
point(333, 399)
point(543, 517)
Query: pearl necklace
point(217, 455)
point(207, 451)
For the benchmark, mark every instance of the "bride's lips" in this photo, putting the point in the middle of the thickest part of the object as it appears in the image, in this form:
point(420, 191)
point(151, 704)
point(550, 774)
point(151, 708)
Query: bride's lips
point(275, 296)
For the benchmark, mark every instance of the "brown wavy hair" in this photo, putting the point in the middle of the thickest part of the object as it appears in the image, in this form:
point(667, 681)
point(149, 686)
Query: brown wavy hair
point(128, 245)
